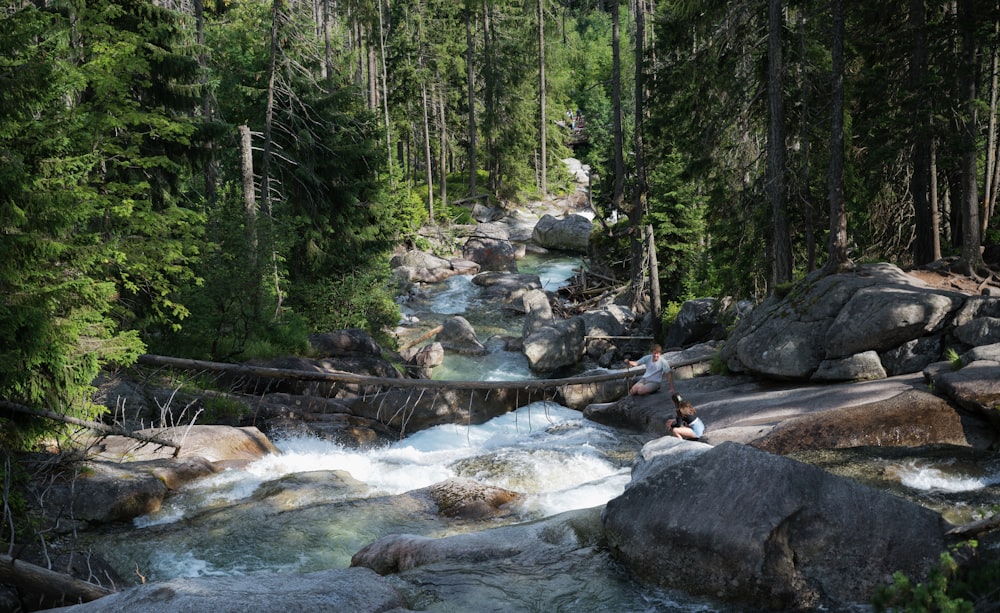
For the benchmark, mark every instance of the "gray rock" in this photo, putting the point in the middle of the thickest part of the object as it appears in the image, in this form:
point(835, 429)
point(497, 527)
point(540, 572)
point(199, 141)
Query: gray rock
point(555, 346)
point(974, 387)
point(506, 286)
point(766, 531)
point(989, 353)
point(912, 356)
point(696, 322)
point(491, 248)
point(458, 335)
point(863, 366)
point(979, 331)
point(572, 233)
point(885, 316)
point(537, 310)
point(876, 308)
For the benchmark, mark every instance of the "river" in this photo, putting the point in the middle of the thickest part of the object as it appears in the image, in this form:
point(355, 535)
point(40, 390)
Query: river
point(317, 503)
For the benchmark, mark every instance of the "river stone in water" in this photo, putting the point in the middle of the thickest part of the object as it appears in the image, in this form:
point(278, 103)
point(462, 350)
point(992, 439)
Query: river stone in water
point(352, 589)
point(747, 526)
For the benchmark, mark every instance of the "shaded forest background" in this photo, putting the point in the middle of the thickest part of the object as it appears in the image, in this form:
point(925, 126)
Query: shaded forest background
point(219, 179)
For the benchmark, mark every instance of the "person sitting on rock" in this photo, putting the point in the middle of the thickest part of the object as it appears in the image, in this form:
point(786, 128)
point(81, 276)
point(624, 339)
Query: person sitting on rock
point(686, 423)
point(656, 367)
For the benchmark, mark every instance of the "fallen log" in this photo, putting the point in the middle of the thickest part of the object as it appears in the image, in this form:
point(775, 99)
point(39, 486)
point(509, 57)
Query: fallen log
point(346, 377)
point(423, 338)
point(976, 528)
point(40, 580)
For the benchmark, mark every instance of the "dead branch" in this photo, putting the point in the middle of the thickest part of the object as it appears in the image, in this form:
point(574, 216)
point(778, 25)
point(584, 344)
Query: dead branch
point(93, 425)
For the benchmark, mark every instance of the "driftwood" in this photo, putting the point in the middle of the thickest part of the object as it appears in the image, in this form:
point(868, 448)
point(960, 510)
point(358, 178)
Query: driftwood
point(346, 377)
point(93, 425)
point(976, 528)
point(48, 582)
point(423, 338)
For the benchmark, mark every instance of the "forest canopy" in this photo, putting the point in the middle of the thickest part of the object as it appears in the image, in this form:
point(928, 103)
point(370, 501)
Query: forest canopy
point(218, 180)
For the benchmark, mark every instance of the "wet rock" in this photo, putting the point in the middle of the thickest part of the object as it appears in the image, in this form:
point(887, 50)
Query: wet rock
point(468, 499)
point(401, 552)
point(458, 335)
point(353, 589)
point(555, 346)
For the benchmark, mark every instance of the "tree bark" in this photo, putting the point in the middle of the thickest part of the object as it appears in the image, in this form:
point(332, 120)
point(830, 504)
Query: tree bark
point(428, 162)
point(385, 90)
point(972, 258)
point(346, 377)
point(471, 83)
point(923, 245)
point(838, 260)
point(442, 145)
point(776, 183)
point(639, 200)
point(618, 192)
point(41, 580)
point(542, 131)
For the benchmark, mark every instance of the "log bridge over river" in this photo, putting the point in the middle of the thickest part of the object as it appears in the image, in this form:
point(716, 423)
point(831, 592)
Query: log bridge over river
point(408, 404)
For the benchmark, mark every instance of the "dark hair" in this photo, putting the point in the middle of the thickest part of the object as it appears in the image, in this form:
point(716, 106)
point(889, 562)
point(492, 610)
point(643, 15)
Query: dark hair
point(656, 349)
point(684, 407)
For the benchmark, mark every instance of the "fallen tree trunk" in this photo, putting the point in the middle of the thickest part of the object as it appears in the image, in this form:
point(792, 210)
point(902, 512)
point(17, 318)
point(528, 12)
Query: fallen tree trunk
point(346, 377)
point(50, 583)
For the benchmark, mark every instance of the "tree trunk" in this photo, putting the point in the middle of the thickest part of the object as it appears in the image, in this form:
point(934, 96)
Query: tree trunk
point(655, 303)
point(428, 162)
point(992, 171)
point(268, 146)
point(776, 184)
point(443, 145)
point(805, 191)
point(542, 131)
point(385, 90)
point(471, 82)
point(618, 192)
point(37, 579)
point(972, 258)
point(923, 245)
point(935, 215)
point(638, 269)
point(838, 213)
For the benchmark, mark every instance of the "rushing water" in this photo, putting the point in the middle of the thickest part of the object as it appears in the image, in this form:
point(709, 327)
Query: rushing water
point(316, 503)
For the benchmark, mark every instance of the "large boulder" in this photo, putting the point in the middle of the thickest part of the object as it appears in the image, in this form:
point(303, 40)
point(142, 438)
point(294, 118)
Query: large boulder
point(571, 233)
point(696, 322)
point(744, 525)
point(507, 287)
point(416, 266)
point(552, 347)
point(491, 248)
point(458, 335)
point(833, 321)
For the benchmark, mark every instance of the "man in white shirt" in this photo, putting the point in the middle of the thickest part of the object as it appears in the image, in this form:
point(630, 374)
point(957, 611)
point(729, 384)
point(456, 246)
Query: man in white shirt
point(656, 367)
